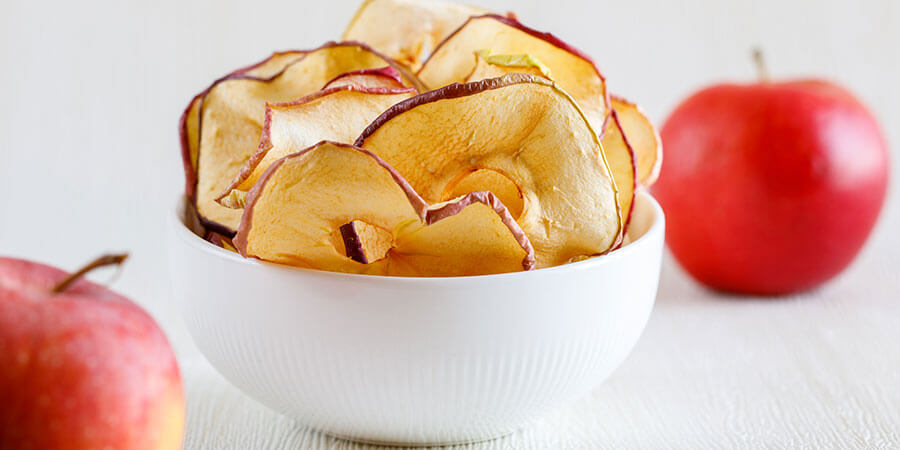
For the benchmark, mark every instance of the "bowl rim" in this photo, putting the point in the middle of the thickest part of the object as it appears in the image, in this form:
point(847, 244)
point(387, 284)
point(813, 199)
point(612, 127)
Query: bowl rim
point(199, 243)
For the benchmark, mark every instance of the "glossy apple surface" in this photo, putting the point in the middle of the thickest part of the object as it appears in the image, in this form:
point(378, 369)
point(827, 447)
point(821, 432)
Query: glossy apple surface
point(770, 188)
point(82, 369)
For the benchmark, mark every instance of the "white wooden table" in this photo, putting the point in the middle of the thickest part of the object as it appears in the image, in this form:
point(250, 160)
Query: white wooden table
point(821, 370)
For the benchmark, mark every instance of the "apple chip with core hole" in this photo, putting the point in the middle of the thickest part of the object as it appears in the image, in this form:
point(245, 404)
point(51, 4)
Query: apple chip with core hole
point(620, 156)
point(492, 66)
point(385, 77)
point(521, 135)
point(231, 112)
point(574, 71)
point(643, 137)
point(341, 208)
point(407, 30)
point(336, 114)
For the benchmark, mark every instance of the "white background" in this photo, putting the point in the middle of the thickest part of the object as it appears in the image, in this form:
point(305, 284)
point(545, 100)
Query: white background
point(91, 92)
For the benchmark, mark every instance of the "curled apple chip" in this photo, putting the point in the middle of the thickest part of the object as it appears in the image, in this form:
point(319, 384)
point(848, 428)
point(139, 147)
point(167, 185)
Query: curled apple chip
point(621, 160)
point(470, 235)
point(643, 137)
point(228, 117)
point(574, 71)
point(488, 65)
point(522, 127)
point(407, 30)
point(385, 77)
point(189, 124)
point(336, 114)
point(341, 208)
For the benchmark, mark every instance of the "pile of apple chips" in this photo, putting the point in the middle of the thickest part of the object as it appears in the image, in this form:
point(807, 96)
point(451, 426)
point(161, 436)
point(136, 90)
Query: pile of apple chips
point(435, 140)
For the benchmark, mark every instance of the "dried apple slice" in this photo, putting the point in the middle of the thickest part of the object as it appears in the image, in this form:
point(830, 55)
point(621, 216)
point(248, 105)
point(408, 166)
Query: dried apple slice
point(491, 66)
point(336, 114)
point(385, 77)
point(643, 137)
point(470, 235)
point(189, 124)
point(231, 112)
point(621, 160)
point(407, 30)
point(523, 127)
point(341, 208)
point(574, 71)
point(300, 204)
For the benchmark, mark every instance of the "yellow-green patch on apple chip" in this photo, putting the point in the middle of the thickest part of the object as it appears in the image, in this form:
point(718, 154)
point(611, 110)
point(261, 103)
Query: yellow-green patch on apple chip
point(574, 71)
point(523, 127)
point(489, 65)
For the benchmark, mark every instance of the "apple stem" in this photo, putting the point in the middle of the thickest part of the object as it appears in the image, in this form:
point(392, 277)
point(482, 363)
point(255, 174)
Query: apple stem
point(105, 260)
point(761, 67)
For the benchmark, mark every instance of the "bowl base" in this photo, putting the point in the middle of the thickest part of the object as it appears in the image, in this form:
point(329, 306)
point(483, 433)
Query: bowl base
point(422, 444)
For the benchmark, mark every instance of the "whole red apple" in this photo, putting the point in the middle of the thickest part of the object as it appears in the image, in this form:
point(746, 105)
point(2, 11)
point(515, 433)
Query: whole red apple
point(82, 367)
point(770, 187)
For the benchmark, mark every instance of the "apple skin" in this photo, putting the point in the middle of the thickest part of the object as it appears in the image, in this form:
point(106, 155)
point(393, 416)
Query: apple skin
point(771, 188)
point(82, 369)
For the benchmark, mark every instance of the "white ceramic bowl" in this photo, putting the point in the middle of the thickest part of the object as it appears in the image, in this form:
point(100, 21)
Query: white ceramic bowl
point(417, 360)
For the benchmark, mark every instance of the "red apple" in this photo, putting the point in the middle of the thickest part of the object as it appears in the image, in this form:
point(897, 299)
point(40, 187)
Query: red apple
point(770, 187)
point(82, 367)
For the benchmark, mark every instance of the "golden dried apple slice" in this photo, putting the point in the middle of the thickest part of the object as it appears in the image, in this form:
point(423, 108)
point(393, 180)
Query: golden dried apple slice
point(523, 127)
point(300, 204)
point(492, 66)
point(643, 137)
point(189, 124)
point(335, 114)
point(407, 30)
point(385, 77)
point(621, 160)
point(230, 115)
point(470, 235)
point(574, 71)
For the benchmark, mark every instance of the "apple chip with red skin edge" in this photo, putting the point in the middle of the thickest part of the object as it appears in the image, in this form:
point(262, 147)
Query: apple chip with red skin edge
point(643, 137)
point(407, 30)
point(335, 114)
point(189, 124)
point(230, 114)
point(619, 154)
point(621, 160)
point(469, 235)
point(523, 127)
point(385, 77)
point(307, 199)
point(573, 70)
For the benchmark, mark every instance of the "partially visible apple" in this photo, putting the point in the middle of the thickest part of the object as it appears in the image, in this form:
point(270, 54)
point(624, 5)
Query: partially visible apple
point(770, 187)
point(82, 367)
